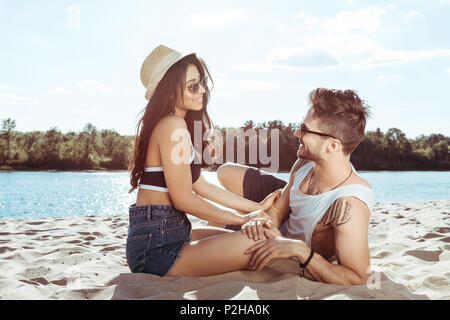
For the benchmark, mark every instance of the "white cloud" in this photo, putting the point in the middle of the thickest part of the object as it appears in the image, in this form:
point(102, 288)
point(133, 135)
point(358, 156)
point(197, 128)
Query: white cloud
point(308, 21)
point(324, 42)
point(12, 98)
point(292, 58)
point(388, 78)
point(216, 19)
point(286, 29)
point(257, 86)
point(92, 87)
point(221, 86)
point(301, 57)
point(410, 15)
point(366, 20)
point(61, 90)
point(384, 57)
point(447, 70)
point(340, 45)
point(224, 87)
point(253, 66)
point(220, 81)
point(84, 111)
point(347, 39)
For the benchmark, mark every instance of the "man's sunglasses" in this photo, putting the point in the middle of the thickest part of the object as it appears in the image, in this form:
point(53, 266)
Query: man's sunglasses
point(304, 128)
point(195, 87)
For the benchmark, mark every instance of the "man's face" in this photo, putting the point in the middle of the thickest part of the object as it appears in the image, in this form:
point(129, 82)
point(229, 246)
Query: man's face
point(312, 146)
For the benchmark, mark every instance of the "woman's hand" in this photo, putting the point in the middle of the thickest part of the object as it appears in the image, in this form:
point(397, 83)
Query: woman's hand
point(254, 229)
point(269, 200)
point(255, 215)
point(254, 223)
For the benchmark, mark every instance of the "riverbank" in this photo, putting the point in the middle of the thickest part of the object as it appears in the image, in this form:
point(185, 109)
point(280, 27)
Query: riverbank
point(84, 258)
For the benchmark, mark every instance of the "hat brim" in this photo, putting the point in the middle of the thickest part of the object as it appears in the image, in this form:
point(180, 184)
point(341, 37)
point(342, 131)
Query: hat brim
point(158, 78)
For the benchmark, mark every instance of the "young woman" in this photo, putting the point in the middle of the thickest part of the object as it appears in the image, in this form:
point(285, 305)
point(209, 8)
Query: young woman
point(167, 173)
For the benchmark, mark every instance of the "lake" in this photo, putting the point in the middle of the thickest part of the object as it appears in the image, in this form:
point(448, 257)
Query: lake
point(62, 194)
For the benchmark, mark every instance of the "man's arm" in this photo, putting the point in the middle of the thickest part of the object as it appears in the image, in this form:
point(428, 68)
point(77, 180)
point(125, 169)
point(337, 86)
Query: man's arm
point(349, 218)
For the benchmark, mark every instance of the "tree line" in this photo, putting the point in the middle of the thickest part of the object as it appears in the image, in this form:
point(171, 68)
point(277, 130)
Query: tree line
point(93, 149)
point(90, 149)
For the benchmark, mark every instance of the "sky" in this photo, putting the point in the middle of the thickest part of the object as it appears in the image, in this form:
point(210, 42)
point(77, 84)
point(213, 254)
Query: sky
point(65, 63)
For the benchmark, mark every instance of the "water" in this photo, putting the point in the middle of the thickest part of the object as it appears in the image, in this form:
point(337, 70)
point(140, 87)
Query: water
point(62, 194)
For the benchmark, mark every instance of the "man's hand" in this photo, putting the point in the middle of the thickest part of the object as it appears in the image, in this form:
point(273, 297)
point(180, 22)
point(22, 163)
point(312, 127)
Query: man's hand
point(274, 247)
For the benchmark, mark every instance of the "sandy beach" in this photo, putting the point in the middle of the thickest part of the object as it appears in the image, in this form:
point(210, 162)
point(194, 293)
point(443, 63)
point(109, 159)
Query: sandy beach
point(84, 258)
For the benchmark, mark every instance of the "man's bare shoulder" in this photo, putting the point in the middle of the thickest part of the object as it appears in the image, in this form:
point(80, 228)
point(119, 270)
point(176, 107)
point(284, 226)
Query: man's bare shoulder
point(359, 180)
point(344, 210)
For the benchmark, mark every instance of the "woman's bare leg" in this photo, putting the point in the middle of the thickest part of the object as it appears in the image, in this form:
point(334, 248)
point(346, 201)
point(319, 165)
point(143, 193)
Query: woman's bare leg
point(200, 233)
point(214, 255)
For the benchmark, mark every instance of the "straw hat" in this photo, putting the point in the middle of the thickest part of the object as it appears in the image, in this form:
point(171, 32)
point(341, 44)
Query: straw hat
point(156, 65)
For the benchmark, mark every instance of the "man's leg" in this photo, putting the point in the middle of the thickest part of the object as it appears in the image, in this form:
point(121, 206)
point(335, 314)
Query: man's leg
point(248, 182)
point(231, 177)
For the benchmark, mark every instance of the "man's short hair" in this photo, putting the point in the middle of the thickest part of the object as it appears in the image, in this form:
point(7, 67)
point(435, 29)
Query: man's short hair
point(341, 114)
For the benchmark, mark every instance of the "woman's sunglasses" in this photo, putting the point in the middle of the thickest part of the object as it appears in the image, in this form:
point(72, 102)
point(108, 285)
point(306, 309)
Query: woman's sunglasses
point(195, 87)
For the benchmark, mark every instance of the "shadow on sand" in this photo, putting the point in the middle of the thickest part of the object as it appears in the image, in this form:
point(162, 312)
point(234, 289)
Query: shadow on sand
point(279, 281)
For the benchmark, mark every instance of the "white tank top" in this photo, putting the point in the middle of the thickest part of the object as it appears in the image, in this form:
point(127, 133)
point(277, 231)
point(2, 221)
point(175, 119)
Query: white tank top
point(307, 210)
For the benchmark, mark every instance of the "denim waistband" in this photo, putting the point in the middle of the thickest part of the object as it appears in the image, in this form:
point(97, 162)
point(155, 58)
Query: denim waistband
point(154, 210)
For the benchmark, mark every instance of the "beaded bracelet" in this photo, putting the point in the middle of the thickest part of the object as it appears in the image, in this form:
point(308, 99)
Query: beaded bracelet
point(303, 265)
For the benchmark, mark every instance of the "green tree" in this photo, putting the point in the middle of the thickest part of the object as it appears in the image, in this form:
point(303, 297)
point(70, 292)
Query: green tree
point(90, 147)
point(52, 148)
point(249, 124)
point(8, 125)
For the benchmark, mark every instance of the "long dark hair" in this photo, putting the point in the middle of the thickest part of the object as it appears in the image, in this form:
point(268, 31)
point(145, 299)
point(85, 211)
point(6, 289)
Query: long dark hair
point(161, 104)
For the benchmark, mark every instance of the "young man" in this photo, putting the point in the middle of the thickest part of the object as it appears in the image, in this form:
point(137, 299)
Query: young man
point(323, 212)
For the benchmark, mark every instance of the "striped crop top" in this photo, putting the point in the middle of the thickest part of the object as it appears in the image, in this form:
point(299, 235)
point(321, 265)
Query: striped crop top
point(153, 177)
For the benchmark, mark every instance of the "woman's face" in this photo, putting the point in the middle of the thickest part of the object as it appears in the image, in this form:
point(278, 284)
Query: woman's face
point(192, 101)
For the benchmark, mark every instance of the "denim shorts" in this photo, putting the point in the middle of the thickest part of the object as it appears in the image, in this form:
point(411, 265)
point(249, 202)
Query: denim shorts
point(257, 186)
point(156, 236)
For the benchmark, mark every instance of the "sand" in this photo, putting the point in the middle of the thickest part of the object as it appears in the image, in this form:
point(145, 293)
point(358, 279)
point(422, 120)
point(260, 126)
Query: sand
point(84, 258)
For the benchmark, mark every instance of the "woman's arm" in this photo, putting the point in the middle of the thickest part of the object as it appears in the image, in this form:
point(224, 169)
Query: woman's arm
point(227, 198)
point(173, 140)
point(280, 209)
